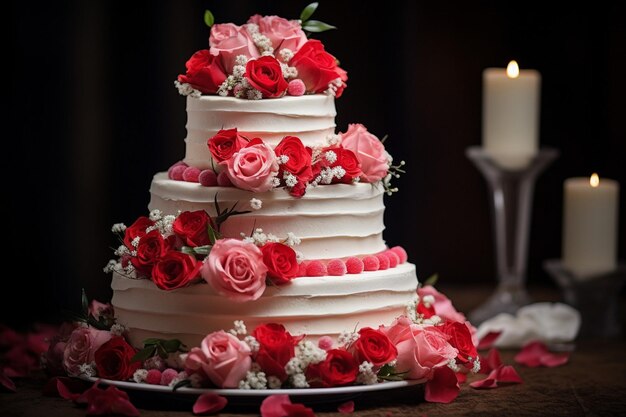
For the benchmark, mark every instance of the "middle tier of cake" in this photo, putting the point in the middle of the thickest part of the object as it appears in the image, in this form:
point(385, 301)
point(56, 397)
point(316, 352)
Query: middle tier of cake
point(332, 221)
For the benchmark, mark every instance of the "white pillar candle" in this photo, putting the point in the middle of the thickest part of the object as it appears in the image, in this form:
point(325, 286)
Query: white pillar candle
point(511, 114)
point(590, 226)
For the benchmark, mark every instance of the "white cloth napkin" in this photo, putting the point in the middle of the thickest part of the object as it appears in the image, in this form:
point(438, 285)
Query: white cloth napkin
point(548, 322)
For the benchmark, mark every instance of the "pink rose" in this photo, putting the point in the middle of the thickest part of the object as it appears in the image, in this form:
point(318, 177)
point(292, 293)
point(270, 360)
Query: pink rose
point(281, 32)
point(420, 349)
point(235, 269)
point(54, 356)
point(228, 41)
point(443, 306)
point(81, 346)
point(222, 358)
point(254, 167)
point(369, 150)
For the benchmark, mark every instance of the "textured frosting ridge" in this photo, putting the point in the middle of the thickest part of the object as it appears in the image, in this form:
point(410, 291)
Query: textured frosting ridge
point(311, 118)
point(312, 306)
point(333, 221)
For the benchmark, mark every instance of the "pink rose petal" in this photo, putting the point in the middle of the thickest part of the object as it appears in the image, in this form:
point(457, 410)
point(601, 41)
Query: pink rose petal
point(346, 408)
point(297, 410)
point(531, 354)
point(272, 406)
point(508, 374)
point(209, 404)
point(551, 360)
point(6, 382)
point(488, 340)
point(443, 387)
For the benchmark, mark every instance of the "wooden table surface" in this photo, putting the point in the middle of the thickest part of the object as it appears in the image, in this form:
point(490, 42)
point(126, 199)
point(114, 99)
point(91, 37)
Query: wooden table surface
point(593, 383)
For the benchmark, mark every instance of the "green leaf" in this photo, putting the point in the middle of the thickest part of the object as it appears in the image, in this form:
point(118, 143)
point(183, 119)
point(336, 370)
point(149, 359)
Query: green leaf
point(202, 250)
point(151, 342)
point(213, 235)
point(386, 370)
point(144, 354)
point(85, 303)
point(208, 18)
point(308, 11)
point(432, 280)
point(316, 26)
point(188, 250)
point(181, 384)
point(172, 345)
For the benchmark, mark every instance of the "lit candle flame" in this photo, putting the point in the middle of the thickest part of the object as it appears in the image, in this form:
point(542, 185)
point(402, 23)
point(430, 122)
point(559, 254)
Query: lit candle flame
point(512, 70)
point(594, 180)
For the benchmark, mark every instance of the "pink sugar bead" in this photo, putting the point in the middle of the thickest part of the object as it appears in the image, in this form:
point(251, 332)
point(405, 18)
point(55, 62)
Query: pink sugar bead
point(207, 178)
point(296, 87)
point(371, 263)
point(399, 250)
point(223, 180)
point(325, 343)
point(168, 376)
point(302, 269)
point(153, 377)
point(191, 174)
point(169, 170)
point(394, 259)
point(336, 267)
point(384, 261)
point(177, 172)
point(315, 269)
point(354, 265)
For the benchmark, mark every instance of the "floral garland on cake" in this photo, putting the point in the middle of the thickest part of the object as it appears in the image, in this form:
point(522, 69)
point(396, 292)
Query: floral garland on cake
point(251, 164)
point(267, 57)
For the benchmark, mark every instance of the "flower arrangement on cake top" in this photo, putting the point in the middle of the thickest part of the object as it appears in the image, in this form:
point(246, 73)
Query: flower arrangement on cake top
point(267, 57)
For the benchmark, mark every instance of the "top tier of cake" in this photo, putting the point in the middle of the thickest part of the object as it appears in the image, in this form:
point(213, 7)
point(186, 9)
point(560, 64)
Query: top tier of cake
point(311, 118)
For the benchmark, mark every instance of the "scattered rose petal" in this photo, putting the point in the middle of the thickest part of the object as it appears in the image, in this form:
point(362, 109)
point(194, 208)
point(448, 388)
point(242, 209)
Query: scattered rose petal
point(297, 410)
point(504, 374)
point(488, 340)
point(346, 408)
point(65, 392)
point(73, 385)
point(209, 404)
point(109, 401)
point(490, 362)
point(536, 353)
point(484, 383)
point(6, 382)
point(461, 377)
point(443, 387)
point(272, 406)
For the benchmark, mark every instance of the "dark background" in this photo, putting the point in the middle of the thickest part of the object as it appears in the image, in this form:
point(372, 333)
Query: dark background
point(93, 114)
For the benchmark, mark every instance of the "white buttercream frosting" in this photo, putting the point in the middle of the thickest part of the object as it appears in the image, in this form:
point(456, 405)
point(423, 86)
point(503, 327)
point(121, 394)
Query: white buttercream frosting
point(311, 118)
point(312, 306)
point(332, 221)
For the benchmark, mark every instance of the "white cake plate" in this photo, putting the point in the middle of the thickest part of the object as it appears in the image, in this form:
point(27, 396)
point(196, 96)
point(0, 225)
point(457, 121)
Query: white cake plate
point(250, 394)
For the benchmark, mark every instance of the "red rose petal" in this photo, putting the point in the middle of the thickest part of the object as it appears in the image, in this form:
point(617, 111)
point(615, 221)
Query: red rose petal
point(551, 360)
point(443, 387)
point(209, 404)
point(531, 354)
point(65, 392)
point(488, 340)
point(272, 406)
point(297, 410)
point(346, 408)
point(6, 382)
point(461, 377)
point(484, 383)
point(490, 362)
point(507, 374)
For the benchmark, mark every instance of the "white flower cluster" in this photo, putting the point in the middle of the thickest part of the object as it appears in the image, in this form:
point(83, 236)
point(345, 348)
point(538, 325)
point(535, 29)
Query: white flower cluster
point(118, 228)
point(476, 368)
point(394, 172)
point(256, 204)
point(333, 86)
point(333, 139)
point(283, 159)
point(164, 224)
point(411, 309)
point(288, 72)
point(118, 329)
point(239, 328)
point(252, 343)
point(299, 256)
point(331, 156)
point(259, 238)
point(306, 353)
point(185, 89)
point(347, 338)
point(261, 41)
point(255, 379)
point(236, 82)
point(452, 365)
point(290, 179)
point(292, 239)
point(327, 174)
point(87, 369)
point(140, 375)
point(286, 54)
point(428, 300)
point(367, 376)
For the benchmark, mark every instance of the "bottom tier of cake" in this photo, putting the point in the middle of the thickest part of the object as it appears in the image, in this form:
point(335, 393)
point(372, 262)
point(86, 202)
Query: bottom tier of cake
point(311, 306)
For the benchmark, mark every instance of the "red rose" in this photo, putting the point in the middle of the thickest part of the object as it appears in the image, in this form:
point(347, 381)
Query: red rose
point(151, 248)
point(345, 159)
point(339, 368)
point(113, 360)
point(276, 349)
point(281, 262)
point(193, 227)
point(224, 144)
point(137, 229)
point(266, 75)
point(374, 346)
point(298, 162)
point(317, 68)
point(461, 339)
point(175, 270)
point(205, 72)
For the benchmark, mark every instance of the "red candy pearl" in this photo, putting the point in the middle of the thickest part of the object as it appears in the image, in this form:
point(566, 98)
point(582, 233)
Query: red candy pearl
point(336, 267)
point(354, 265)
point(371, 263)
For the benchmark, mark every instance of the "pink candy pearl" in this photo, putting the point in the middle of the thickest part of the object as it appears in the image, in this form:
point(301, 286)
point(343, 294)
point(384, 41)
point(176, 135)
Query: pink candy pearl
point(296, 87)
point(207, 178)
point(191, 174)
point(223, 180)
point(177, 172)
